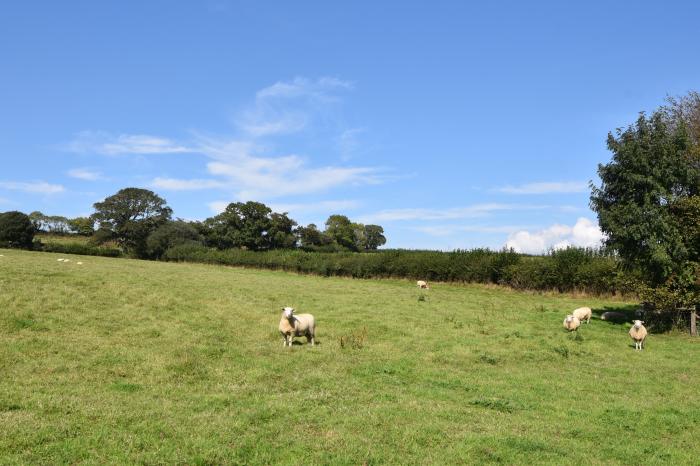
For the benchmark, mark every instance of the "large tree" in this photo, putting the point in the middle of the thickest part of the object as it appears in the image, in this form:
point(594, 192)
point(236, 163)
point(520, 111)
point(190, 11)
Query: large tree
point(132, 214)
point(646, 203)
point(250, 225)
point(16, 230)
point(374, 237)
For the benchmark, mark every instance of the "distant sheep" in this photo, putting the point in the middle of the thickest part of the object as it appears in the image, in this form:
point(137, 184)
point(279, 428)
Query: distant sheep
point(79, 263)
point(638, 333)
point(293, 325)
point(571, 323)
point(422, 284)
point(613, 316)
point(583, 313)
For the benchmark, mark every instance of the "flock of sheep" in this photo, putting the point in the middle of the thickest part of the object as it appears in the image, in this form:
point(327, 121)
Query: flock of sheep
point(573, 321)
point(304, 325)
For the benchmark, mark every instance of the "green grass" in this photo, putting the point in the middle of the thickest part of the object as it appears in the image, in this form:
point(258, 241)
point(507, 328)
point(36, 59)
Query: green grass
point(124, 361)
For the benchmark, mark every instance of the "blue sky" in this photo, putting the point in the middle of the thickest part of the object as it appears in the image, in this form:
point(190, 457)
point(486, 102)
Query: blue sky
point(451, 124)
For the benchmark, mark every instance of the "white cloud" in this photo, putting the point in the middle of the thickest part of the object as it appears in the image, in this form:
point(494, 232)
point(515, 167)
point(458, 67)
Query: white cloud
point(100, 142)
point(238, 169)
point(321, 88)
point(585, 233)
point(547, 188)
point(38, 187)
point(476, 210)
point(85, 174)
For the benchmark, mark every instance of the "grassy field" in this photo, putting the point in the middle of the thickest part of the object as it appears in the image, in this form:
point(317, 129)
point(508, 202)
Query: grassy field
point(124, 361)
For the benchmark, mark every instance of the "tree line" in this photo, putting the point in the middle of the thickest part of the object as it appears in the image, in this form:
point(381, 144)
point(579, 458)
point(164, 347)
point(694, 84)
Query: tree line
point(141, 223)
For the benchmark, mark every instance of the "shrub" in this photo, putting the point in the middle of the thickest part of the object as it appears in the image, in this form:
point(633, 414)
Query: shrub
point(169, 235)
point(16, 230)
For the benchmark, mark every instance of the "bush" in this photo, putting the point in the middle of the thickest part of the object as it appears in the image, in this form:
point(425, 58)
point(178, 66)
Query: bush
point(169, 235)
point(582, 270)
point(16, 230)
point(80, 249)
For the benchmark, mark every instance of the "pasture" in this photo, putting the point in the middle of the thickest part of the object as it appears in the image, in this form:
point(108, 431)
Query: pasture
point(126, 361)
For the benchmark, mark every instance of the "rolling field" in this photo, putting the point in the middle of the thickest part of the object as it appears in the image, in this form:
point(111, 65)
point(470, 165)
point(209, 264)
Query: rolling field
point(124, 361)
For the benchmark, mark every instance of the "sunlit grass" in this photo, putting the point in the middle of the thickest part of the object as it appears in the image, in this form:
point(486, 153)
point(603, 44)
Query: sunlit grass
point(125, 361)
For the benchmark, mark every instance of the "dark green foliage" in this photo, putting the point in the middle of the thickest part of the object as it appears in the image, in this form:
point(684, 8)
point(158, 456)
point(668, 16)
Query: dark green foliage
point(343, 232)
point(310, 238)
point(596, 273)
point(249, 225)
point(81, 249)
point(132, 214)
point(16, 230)
point(374, 237)
point(648, 204)
point(171, 234)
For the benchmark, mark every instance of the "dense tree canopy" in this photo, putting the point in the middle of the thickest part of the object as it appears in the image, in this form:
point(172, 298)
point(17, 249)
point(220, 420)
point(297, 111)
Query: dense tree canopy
point(16, 230)
point(648, 203)
point(132, 214)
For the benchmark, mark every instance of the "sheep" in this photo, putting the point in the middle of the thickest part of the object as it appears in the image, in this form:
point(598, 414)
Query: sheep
point(79, 263)
point(638, 333)
point(422, 284)
point(571, 323)
point(583, 313)
point(60, 260)
point(613, 316)
point(299, 325)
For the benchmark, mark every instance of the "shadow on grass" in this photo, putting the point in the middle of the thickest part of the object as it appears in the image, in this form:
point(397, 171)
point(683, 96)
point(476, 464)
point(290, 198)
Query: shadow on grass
point(618, 315)
point(304, 343)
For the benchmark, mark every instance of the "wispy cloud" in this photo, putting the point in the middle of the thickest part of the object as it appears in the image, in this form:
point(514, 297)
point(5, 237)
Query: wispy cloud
point(36, 187)
point(585, 233)
point(85, 174)
point(290, 106)
point(476, 210)
point(546, 188)
point(100, 142)
point(334, 206)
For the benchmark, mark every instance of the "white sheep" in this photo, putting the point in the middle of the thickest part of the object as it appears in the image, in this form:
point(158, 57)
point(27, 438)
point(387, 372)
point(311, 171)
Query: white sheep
point(571, 323)
point(79, 263)
point(583, 313)
point(422, 284)
point(60, 260)
point(293, 325)
point(638, 332)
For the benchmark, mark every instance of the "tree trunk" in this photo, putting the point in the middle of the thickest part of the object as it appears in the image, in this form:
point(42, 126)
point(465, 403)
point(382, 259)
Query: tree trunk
point(693, 323)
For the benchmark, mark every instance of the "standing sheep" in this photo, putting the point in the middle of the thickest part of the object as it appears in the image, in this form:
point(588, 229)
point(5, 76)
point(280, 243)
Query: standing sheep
point(422, 284)
point(302, 325)
point(583, 313)
point(571, 323)
point(638, 332)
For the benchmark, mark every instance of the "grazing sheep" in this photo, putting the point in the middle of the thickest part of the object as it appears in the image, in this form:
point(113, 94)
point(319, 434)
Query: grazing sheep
point(571, 323)
point(60, 260)
point(422, 284)
point(79, 263)
point(292, 325)
point(638, 332)
point(583, 313)
point(613, 316)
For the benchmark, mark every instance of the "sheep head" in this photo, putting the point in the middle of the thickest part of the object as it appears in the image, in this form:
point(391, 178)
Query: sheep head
point(288, 312)
point(637, 323)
